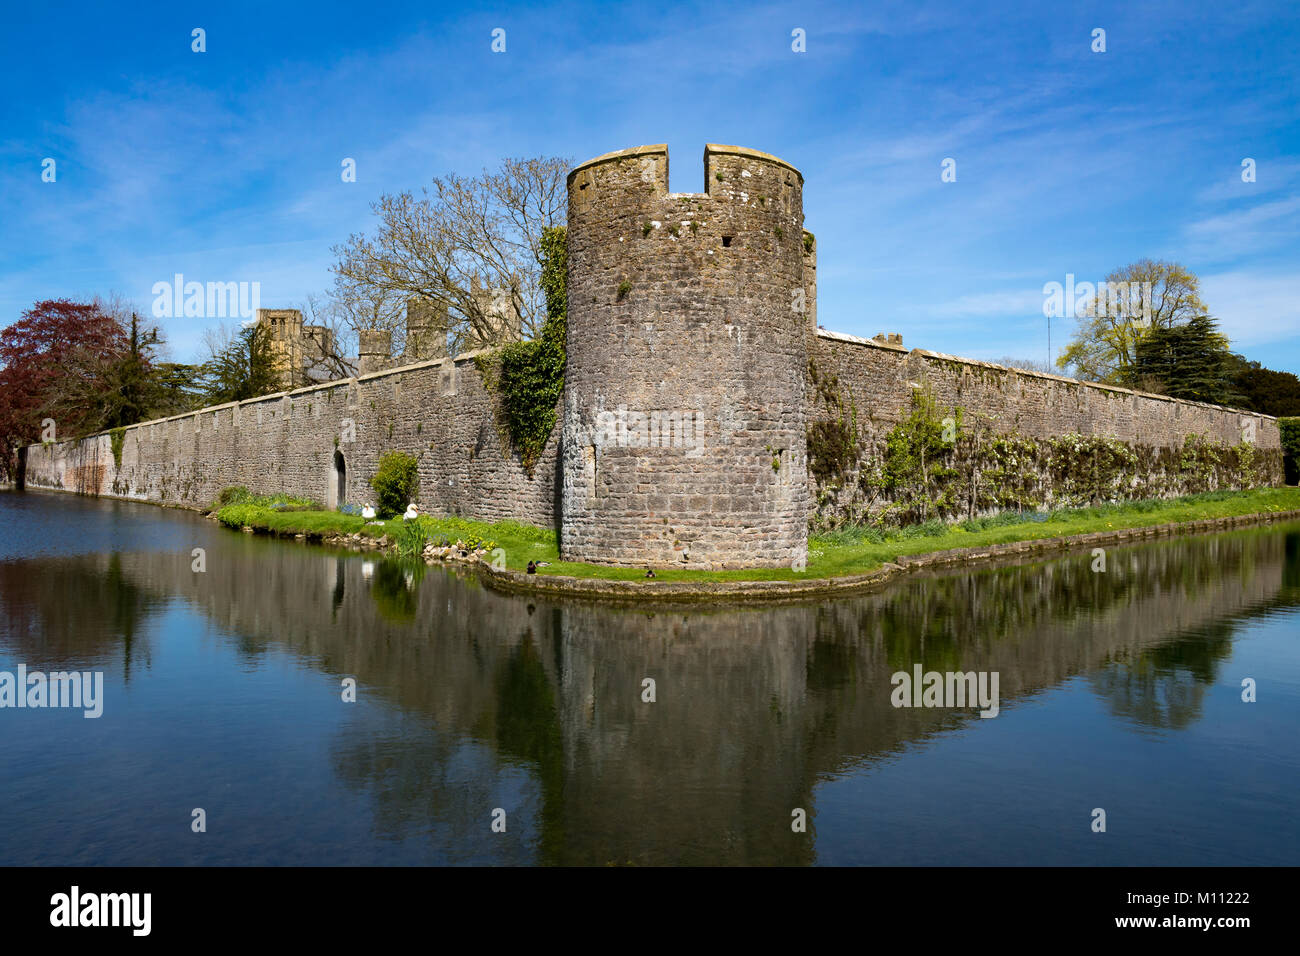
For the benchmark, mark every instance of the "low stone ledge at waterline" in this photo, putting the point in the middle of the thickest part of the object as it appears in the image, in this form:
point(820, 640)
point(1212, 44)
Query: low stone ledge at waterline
point(749, 592)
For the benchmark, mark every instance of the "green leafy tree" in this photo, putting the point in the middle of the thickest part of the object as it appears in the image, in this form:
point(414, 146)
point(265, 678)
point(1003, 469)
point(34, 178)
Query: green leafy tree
point(1121, 314)
point(395, 482)
point(1188, 361)
point(1290, 429)
point(177, 388)
point(130, 396)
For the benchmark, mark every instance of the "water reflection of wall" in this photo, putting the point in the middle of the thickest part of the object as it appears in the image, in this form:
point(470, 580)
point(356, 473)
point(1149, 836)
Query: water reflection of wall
point(753, 708)
point(76, 613)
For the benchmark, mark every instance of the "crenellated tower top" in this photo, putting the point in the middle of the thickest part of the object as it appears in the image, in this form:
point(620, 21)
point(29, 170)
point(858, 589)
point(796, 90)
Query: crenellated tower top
point(687, 311)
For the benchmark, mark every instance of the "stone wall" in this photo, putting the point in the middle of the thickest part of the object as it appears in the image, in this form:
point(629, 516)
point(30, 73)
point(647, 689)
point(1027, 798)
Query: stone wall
point(292, 442)
point(870, 386)
point(706, 420)
point(684, 395)
point(440, 412)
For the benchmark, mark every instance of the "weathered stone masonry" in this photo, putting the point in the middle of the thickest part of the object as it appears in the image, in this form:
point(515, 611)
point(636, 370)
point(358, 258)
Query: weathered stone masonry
point(292, 442)
point(689, 394)
point(874, 383)
point(681, 303)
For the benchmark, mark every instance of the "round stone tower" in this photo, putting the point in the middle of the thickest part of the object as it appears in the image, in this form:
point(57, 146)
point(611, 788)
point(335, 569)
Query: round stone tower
point(683, 433)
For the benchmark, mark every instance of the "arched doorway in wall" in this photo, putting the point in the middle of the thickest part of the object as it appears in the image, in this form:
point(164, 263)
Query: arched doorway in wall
point(338, 486)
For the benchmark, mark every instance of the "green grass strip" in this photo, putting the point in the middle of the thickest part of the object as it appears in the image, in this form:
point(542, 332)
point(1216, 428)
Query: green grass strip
point(849, 551)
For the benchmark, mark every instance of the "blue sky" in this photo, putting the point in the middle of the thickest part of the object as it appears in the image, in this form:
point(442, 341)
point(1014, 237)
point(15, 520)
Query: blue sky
point(224, 165)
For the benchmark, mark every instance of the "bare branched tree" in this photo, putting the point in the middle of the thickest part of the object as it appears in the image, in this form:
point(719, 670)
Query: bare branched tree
point(1028, 365)
point(329, 355)
point(468, 246)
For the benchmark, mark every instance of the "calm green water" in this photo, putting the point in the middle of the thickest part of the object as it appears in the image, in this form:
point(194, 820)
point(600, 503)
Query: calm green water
point(222, 691)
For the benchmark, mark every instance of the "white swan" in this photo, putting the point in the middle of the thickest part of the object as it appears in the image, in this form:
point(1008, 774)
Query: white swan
point(411, 513)
point(367, 511)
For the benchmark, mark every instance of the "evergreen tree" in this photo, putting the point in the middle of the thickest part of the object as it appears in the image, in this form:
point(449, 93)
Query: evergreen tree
point(130, 396)
point(1265, 390)
point(243, 368)
point(1188, 361)
point(177, 388)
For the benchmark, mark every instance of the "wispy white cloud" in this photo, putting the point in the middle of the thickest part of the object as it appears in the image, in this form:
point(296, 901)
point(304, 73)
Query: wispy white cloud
point(1254, 309)
point(1015, 302)
point(1233, 235)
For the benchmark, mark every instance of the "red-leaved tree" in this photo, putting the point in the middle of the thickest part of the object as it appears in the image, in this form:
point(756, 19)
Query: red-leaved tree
point(55, 363)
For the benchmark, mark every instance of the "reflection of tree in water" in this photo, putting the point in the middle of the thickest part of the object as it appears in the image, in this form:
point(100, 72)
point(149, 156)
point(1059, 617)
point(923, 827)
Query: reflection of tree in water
point(830, 665)
point(939, 620)
point(528, 729)
point(421, 778)
point(1291, 569)
point(1164, 688)
point(482, 700)
point(942, 620)
point(395, 588)
point(425, 783)
point(69, 612)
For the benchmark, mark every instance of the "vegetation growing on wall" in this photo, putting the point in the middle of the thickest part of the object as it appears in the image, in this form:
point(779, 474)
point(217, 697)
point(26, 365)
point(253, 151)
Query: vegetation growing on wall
point(833, 446)
point(916, 473)
point(529, 376)
point(117, 438)
point(1290, 428)
point(932, 466)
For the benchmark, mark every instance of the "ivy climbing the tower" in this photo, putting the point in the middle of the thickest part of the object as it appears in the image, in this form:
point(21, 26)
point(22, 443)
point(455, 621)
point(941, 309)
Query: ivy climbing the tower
point(529, 376)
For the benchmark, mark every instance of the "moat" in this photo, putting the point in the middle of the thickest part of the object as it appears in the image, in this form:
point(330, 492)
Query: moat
point(222, 690)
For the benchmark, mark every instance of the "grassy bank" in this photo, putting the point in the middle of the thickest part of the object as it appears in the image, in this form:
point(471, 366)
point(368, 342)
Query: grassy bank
point(850, 551)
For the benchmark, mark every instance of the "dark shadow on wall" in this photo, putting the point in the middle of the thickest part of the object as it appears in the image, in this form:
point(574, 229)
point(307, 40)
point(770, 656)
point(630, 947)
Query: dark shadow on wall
point(557, 490)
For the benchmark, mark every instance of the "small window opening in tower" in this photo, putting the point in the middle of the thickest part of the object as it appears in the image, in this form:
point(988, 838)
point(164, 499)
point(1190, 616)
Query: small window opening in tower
point(726, 241)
